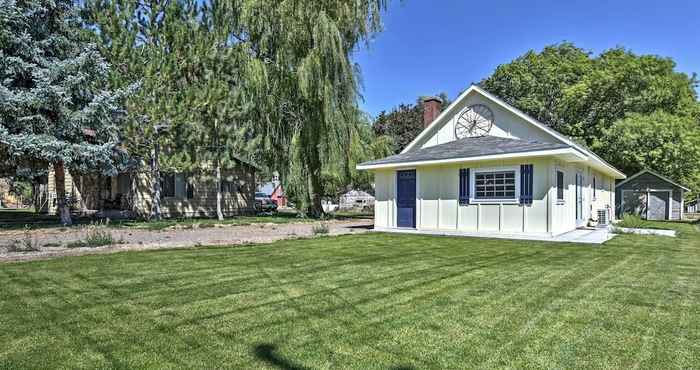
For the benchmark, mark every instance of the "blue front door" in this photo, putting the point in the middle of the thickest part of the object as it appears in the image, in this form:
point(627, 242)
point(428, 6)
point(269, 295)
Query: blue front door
point(406, 198)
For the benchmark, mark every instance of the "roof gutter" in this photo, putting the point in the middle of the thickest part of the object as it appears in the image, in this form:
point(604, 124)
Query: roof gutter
point(538, 153)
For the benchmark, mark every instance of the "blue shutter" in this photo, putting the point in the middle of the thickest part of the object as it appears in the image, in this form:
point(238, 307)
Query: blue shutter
point(463, 186)
point(526, 183)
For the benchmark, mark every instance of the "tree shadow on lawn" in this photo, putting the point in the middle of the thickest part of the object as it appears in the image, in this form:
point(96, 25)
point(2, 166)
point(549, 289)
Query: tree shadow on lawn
point(267, 352)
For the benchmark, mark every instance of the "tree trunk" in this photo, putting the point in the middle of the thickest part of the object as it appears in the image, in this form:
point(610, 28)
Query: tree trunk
point(219, 213)
point(60, 182)
point(155, 174)
point(217, 164)
point(313, 164)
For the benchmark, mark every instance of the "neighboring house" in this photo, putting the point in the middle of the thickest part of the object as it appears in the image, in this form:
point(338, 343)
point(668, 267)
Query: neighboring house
point(651, 196)
point(356, 199)
point(182, 194)
point(275, 191)
point(482, 166)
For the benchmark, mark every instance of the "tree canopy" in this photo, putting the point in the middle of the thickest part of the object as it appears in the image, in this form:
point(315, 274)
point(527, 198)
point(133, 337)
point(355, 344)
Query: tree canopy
point(54, 105)
point(601, 100)
point(277, 74)
point(403, 123)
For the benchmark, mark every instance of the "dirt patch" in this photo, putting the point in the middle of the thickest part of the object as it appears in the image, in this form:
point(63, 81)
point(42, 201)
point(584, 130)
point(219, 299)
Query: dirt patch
point(56, 242)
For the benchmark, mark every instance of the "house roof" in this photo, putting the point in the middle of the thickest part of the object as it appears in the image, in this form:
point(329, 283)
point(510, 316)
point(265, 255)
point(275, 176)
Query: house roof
point(472, 147)
point(662, 177)
point(474, 88)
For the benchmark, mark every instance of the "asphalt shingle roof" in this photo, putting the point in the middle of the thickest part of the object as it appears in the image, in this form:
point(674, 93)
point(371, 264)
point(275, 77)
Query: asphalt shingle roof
point(468, 147)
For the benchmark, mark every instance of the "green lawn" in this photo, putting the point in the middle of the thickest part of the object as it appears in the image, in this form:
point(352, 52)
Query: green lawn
point(372, 301)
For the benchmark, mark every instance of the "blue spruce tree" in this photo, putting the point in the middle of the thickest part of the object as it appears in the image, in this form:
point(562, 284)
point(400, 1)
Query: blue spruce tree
point(54, 109)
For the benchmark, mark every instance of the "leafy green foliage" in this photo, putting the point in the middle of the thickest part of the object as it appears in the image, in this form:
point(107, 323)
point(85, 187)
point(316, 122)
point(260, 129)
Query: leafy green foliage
point(403, 123)
point(666, 143)
point(636, 111)
point(271, 80)
point(52, 88)
point(631, 221)
point(56, 108)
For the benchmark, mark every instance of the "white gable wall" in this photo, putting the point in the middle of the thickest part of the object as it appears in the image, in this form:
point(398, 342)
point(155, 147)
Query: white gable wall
point(506, 124)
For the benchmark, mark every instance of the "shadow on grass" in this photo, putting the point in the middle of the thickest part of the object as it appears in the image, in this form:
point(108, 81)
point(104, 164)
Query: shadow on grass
point(267, 352)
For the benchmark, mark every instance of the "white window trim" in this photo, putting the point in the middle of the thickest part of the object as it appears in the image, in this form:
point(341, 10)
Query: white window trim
point(556, 188)
point(472, 185)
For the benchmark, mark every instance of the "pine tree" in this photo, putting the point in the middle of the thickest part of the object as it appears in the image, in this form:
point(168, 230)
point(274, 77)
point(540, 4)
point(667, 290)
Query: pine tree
point(307, 108)
point(192, 79)
point(54, 109)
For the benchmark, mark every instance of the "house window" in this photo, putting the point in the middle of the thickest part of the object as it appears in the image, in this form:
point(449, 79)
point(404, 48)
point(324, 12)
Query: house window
point(497, 185)
point(190, 188)
point(594, 187)
point(167, 185)
point(560, 186)
point(173, 185)
point(228, 187)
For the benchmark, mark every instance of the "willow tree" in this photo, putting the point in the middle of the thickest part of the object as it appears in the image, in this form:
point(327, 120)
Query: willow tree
point(55, 110)
point(309, 105)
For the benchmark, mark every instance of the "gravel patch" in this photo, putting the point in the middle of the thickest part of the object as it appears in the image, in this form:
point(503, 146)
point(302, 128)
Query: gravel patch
point(53, 242)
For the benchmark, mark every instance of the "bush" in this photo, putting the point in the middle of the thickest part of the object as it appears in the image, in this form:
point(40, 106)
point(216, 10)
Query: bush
point(28, 243)
point(631, 221)
point(96, 235)
point(320, 229)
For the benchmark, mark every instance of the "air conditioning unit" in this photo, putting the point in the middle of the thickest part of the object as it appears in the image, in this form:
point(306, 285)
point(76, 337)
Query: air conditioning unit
point(603, 217)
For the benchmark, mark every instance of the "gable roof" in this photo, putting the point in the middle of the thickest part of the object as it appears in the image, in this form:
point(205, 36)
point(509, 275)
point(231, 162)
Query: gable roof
point(496, 100)
point(662, 177)
point(471, 147)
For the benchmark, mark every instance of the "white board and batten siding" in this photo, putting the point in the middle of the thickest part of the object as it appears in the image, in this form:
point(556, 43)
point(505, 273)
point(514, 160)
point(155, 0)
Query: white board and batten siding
point(438, 208)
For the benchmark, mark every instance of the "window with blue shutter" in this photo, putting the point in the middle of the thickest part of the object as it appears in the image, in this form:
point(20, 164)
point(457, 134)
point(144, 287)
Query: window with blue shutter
point(464, 186)
point(526, 183)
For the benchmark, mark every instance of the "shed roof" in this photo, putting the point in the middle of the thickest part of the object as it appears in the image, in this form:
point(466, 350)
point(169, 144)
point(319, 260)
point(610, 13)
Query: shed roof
point(468, 148)
point(660, 176)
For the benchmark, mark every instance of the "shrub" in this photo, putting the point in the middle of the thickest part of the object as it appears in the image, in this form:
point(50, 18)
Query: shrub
point(96, 235)
point(631, 221)
point(28, 243)
point(320, 229)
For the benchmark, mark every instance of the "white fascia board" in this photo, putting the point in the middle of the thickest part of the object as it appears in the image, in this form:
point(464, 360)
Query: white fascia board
point(603, 164)
point(539, 153)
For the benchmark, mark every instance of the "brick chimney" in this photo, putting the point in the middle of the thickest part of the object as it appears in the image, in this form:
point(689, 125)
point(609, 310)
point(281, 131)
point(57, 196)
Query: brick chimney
point(432, 106)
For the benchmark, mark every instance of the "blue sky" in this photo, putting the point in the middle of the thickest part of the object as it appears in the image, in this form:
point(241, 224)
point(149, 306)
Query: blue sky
point(431, 46)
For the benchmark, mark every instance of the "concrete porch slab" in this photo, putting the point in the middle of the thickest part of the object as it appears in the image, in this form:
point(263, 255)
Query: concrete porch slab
point(585, 236)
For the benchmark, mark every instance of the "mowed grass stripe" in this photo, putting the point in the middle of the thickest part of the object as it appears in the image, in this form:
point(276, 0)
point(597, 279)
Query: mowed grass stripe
point(372, 301)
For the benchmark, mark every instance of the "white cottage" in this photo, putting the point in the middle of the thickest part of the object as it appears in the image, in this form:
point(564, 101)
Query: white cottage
point(483, 167)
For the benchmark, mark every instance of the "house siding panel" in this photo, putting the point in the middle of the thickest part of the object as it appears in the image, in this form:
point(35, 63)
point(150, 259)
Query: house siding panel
point(140, 201)
point(438, 193)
